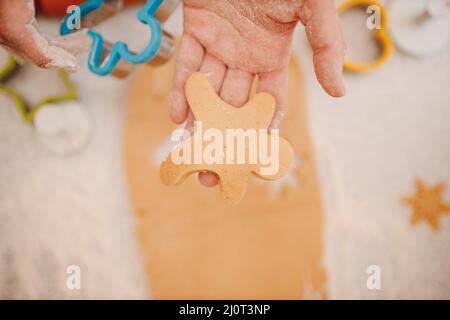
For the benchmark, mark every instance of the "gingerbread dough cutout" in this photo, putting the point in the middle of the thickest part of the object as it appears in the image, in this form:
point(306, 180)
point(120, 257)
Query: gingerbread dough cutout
point(211, 112)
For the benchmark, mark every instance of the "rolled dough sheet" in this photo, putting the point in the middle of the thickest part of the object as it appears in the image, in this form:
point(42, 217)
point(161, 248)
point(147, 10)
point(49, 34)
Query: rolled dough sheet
point(194, 245)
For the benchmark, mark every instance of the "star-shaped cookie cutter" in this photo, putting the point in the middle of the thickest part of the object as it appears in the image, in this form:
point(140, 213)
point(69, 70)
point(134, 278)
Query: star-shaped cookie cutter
point(62, 126)
point(26, 111)
point(106, 58)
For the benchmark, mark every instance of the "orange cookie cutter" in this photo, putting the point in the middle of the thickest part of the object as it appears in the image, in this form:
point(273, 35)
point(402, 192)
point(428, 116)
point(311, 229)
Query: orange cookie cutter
point(381, 35)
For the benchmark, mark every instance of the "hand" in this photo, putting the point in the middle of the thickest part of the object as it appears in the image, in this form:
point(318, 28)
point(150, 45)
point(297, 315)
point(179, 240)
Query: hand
point(231, 41)
point(20, 36)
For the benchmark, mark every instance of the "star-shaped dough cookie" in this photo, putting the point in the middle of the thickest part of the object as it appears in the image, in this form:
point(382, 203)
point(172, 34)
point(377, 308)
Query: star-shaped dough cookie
point(427, 204)
point(214, 113)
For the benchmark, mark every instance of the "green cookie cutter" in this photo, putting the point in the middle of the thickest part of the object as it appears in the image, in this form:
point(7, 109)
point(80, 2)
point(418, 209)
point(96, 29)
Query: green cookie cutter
point(27, 112)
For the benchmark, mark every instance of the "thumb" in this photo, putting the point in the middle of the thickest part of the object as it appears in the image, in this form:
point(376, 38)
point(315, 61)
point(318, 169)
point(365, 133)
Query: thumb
point(26, 42)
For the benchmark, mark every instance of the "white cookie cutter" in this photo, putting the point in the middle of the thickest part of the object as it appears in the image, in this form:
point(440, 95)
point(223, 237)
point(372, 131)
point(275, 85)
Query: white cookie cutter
point(420, 28)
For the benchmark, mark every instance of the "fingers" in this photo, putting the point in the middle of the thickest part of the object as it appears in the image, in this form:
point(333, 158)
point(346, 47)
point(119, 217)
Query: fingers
point(325, 36)
point(189, 60)
point(58, 58)
point(73, 43)
point(208, 179)
point(215, 70)
point(190, 123)
point(236, 87)
point(26, 42)
point(275, 83)
point(235, 91)
point(20, 35)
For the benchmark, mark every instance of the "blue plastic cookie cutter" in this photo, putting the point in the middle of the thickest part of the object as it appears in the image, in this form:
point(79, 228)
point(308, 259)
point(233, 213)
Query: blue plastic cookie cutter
point(120, 49)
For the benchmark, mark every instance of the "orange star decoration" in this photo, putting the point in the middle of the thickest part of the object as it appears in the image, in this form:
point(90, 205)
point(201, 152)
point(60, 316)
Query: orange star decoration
point(427, 204)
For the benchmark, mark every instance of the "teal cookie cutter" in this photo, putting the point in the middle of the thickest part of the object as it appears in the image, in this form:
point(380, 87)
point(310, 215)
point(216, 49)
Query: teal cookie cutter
point(120, 49)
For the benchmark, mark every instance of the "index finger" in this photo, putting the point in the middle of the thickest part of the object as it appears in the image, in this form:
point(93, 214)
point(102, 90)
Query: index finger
point(325, 36)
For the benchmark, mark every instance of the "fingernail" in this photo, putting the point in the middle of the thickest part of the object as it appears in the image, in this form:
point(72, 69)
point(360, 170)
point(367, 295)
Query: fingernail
point(68, 66)
point(61, 59)
point(341, 90)
point(75, 43)
point(177, 104)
